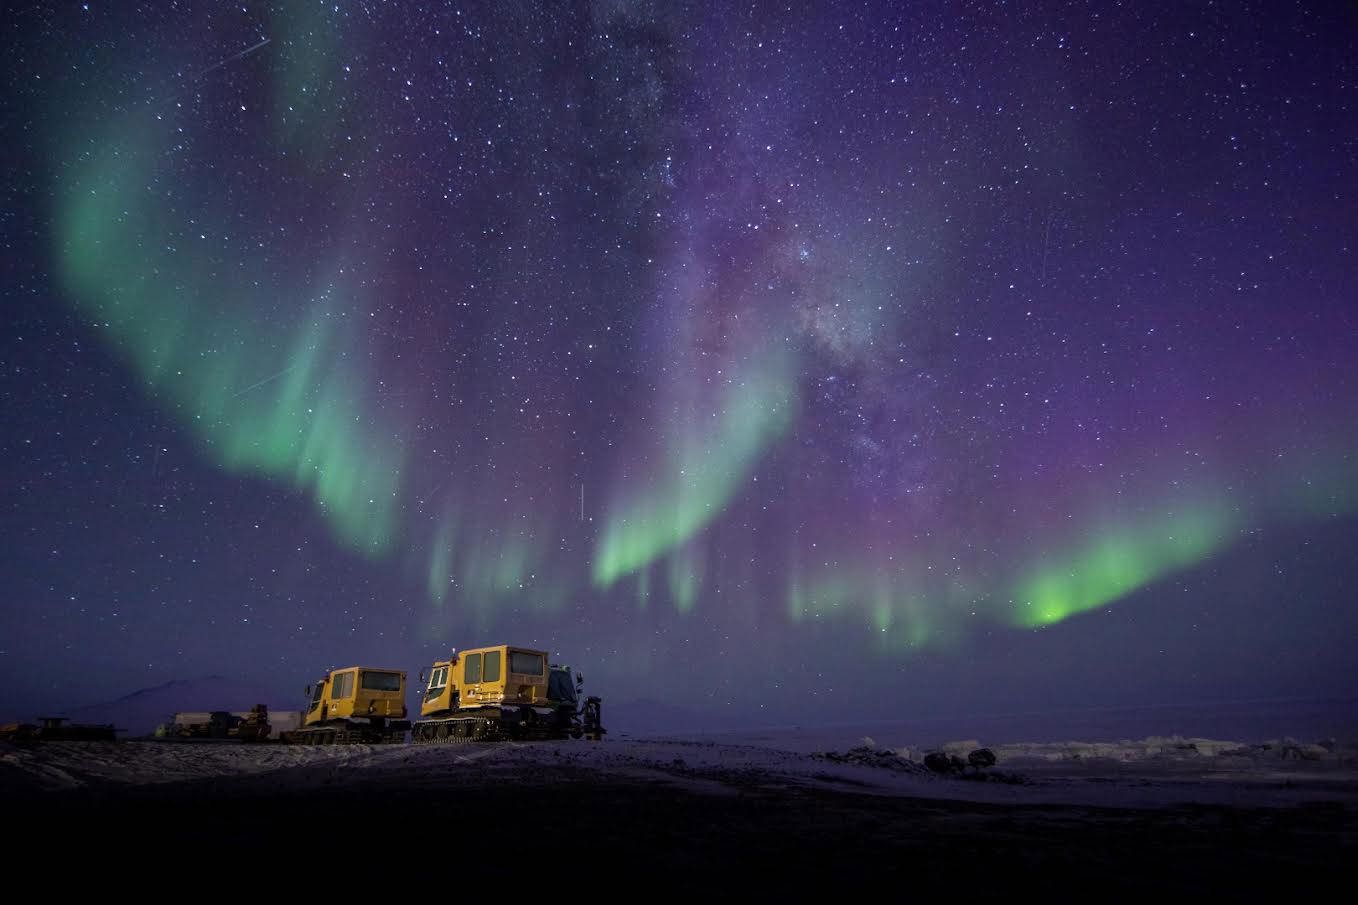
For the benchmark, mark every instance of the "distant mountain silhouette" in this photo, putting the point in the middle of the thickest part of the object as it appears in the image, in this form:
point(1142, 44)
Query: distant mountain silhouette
point(141, 711)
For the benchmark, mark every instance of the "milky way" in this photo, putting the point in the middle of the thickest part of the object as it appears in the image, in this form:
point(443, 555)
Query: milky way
point(785, 347)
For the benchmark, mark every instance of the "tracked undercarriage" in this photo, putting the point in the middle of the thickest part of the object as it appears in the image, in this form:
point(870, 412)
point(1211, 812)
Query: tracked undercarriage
point(488, 725)
point(346, 735)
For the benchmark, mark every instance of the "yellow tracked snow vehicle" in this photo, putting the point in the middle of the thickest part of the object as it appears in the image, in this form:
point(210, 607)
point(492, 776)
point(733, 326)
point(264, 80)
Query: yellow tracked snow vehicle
point(503, 692)
point(354, 705)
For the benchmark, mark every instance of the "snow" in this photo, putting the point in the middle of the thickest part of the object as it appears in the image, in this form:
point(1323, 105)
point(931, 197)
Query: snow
point(1154, 772)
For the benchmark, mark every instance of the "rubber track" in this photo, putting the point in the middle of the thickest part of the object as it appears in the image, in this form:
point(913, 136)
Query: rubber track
point(333, 736)
point(482, 729)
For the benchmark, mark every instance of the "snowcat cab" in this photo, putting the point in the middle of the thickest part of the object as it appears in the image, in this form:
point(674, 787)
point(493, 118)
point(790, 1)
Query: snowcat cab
point(495, 692)
point(355, 705)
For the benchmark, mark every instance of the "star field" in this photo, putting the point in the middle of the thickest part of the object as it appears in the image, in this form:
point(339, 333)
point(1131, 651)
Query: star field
point(949, 355)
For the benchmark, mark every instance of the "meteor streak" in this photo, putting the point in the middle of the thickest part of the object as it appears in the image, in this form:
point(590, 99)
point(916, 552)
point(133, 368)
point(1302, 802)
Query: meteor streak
point(231, 59)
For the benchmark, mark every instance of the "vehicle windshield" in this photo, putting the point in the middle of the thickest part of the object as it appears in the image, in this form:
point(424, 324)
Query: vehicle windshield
point(381, 681)
point(438, 681)
point(524, 663)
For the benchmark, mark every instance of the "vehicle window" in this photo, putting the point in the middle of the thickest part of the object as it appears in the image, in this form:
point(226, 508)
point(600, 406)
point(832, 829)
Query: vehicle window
point(492, 673)
point(320, 690)
point(343, 686)
point(524, 663)
point(437, 682)
point(472, 671)
point(381, 681)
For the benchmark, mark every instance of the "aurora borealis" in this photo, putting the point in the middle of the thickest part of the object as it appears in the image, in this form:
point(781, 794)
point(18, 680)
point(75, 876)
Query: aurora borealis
point(804, 350)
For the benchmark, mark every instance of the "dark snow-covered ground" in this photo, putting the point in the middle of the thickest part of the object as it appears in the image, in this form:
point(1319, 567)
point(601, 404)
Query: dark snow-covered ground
point(784, 810)
point(1146, 773)
point(1075, 806)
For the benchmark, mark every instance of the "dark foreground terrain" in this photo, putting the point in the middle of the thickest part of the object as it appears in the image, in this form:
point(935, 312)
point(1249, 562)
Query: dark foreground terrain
point(682, 818)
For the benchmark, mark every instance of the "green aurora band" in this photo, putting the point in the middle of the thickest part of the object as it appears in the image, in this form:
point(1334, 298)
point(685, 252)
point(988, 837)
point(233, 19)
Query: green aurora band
point(910, 606)
point(440, 571)
point(701, 478)
point(1114, 563)
point(284, 403)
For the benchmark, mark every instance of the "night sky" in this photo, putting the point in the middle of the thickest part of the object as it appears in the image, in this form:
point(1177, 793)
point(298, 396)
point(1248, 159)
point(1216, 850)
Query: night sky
point(777, 362)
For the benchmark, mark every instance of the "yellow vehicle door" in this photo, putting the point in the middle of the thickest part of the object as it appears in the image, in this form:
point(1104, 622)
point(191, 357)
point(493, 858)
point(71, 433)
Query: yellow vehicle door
point(342, 694)
point(471, 677)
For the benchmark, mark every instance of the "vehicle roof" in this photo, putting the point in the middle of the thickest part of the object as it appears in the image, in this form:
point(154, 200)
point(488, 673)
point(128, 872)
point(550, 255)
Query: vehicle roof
point(527, 650)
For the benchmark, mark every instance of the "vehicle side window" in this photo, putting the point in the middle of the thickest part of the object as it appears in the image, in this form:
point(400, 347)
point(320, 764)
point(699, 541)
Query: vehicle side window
point(472, 671)
point(343, 686)
point(492, 673)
